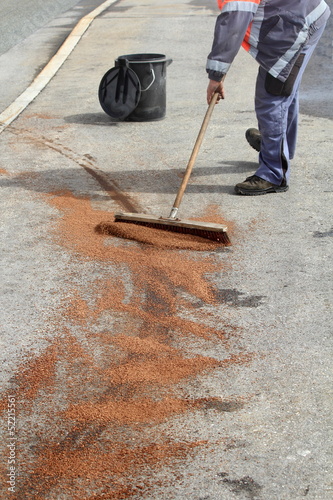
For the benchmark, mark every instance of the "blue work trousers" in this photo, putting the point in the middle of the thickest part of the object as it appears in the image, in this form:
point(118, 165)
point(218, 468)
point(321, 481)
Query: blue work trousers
point(277, 121)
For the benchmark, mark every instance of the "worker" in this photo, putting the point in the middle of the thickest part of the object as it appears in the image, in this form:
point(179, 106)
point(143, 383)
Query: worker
point(281, 35)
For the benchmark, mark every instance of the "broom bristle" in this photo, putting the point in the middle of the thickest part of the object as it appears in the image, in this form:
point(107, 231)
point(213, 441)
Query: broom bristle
point(218, 236)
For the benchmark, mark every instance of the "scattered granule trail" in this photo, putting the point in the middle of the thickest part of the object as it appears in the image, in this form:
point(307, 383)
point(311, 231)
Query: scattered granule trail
point(147, 345)
point(161, 270)
point(112, 379)
point(81, 229)
point(127, 412)
point(168, 370)
point(90, 468)
point(78, 308)
point(38, 373)
point(157, 312)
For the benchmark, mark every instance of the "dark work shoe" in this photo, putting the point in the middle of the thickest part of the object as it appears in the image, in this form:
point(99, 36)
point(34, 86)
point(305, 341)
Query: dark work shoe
point(254, 185)
point(253, 137)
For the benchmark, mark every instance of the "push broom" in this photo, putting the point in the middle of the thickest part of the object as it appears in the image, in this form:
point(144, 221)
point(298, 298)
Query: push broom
point(211, 231)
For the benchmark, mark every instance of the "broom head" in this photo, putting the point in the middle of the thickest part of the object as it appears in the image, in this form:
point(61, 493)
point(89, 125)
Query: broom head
point(208, 230)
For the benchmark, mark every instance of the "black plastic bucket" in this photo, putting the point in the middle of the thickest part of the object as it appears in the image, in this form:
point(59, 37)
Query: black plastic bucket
point(135, 89)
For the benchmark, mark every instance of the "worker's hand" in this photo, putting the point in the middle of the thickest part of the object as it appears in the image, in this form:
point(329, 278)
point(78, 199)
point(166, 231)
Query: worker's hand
point(215, 87)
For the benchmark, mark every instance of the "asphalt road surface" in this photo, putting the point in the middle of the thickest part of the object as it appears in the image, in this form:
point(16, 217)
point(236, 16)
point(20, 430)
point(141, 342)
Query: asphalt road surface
point(149, 371)
point(30, 34)
point(21, 18)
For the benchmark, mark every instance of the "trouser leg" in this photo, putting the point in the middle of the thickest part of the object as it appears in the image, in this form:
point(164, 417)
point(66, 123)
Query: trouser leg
point(277, 120)
point(292, 124)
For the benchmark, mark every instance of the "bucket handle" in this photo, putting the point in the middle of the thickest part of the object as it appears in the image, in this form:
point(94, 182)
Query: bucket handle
point(151, 83)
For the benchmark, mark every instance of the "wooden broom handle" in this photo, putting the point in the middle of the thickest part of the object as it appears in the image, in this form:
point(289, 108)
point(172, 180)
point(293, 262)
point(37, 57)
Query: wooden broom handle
point(195, 151)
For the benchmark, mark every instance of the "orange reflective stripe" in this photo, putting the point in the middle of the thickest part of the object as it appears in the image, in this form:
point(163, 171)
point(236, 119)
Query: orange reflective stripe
point(246, 46)
point(221, 3)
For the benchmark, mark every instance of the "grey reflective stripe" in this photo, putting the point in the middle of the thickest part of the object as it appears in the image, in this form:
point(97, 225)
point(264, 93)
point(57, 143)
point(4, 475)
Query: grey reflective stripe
point(244, 6)
point(221, 67)
point(287, 57)
point(316, 13)
point(256, 25)
point(253, 52)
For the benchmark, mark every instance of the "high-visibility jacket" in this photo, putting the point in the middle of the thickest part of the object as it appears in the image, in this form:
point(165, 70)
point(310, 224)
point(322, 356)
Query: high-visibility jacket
point(272, 31)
